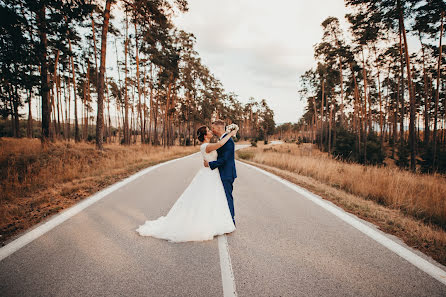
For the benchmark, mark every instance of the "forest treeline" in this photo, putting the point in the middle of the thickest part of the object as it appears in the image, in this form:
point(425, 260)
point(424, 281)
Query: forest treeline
point(374, 96)
point(53, 56)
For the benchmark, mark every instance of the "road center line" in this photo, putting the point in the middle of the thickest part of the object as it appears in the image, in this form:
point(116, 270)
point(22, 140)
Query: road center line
point(227, 275)
point(403, 252)
point(35, 233)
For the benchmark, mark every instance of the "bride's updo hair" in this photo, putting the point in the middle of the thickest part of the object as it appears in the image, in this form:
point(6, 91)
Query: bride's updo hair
point(201, 133)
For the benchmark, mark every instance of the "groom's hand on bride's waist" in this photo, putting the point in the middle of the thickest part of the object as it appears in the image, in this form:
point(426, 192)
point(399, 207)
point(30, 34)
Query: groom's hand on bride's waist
point(205, 163)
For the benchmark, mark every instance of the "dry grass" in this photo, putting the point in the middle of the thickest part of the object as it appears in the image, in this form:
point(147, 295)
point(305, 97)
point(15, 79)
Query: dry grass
point(420, 196)
point(429, 239)
point(37, 182)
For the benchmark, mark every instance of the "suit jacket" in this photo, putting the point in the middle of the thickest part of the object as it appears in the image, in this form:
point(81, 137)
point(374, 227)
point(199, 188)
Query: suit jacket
point(225, 161)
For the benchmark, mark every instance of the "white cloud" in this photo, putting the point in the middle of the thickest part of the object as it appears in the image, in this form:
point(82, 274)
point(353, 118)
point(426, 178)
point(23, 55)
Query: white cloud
point(260, 48)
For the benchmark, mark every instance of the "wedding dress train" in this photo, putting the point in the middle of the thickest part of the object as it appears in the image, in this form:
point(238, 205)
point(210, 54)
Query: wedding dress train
point(200, 213)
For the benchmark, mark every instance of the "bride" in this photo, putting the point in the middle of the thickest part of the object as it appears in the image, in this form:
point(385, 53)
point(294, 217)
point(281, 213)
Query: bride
point(201, 211)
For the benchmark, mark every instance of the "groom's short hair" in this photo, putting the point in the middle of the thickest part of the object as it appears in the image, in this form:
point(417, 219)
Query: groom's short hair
point(218, 123)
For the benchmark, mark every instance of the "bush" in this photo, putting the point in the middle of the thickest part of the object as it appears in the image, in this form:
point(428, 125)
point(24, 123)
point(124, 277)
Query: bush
point(254, 143)
point(345, 148)
point(345, 145)
point(403, 156)
point(245, 155)
point(441, 161)
point(375, 155)
point(261, 135)
point(299, 140)
point(428, 159)
point(265, 141)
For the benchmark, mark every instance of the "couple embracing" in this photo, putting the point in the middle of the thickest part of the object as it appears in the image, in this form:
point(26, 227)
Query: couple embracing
point(206, 207)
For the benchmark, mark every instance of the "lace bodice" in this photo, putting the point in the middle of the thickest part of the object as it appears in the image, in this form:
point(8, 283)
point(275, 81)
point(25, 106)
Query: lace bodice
point(212, 156)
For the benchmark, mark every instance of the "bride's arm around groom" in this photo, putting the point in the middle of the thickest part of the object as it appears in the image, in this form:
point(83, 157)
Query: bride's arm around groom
point(215, 146)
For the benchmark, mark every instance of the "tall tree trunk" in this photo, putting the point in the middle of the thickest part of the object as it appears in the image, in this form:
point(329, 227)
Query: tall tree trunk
point(411, 97)
point(365, 106)
point(188, 98)
point(53, 128)
point(312, 129)
point(58, 106)
point(395, 120)
point(67, 107)
point(94, 44)
point(44, 75)
point(138, 84)
point(126, 99)
point(166, 118)
point(11, 107)
point(29, 131)
point(15, 101)
point(101, 78)
point(151, 108)
point(144, 91)
point(109, 116)
point(426, 97)
point(86, 100)
point(329, 129)
point(131, 126)
point(402, 110)
point(172, 115)
point(54, 92)
point(156, 119)
point(358, 108)
point(322, 113)
point(341, 82)
point(399, 111)
point(327, 120)
point(381, 127)
point(76, 122)
point(118, 121)
point(437, 94)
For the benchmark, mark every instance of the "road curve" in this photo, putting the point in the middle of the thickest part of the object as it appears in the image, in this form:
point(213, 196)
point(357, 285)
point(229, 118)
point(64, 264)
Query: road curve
point(284, 245)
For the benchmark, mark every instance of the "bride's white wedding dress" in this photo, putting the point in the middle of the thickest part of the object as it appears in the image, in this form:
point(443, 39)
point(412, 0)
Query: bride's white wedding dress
point(200, 213)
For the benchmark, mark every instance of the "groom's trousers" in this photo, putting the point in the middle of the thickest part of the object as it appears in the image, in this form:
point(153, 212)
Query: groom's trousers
point(227, 184)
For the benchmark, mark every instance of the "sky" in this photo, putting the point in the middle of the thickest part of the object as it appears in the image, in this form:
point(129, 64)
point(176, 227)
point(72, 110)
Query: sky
point(256, 48)
point(259, 48)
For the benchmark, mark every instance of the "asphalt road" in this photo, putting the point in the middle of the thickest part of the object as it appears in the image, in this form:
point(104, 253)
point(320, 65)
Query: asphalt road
point(284, 245)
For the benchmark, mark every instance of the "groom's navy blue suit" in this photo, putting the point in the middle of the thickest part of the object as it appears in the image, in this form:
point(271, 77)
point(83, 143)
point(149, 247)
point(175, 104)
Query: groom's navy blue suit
point(226, 165)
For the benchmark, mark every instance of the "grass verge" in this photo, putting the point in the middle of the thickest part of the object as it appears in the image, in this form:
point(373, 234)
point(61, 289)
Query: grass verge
point(418, 233)
point(36, 183)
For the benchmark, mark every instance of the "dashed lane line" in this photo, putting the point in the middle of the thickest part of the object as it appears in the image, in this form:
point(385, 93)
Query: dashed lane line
point(227, 275)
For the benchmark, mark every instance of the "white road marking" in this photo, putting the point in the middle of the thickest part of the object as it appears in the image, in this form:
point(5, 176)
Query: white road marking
point(403, 252)
point(227, 275)
point(35, 233)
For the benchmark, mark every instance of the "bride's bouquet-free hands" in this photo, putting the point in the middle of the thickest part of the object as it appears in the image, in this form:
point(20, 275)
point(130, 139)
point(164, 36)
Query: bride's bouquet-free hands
point(231, 128)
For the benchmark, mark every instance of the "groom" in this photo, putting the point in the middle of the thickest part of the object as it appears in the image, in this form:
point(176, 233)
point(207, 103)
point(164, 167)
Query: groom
point(225, 163)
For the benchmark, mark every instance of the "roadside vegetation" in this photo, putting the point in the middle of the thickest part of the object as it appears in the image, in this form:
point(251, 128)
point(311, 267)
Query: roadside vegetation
point(411, 206)
point(37, 182)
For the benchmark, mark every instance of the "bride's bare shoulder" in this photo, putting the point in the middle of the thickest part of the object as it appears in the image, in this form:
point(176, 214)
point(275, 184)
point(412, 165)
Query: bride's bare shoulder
point(203, 146)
